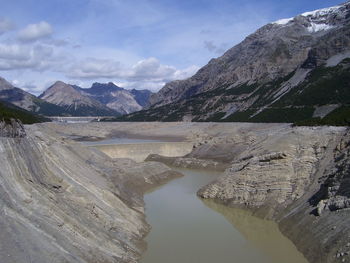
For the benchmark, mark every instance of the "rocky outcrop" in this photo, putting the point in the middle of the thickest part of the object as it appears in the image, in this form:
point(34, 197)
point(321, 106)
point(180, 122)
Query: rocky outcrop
point(63, 202)
point(272, 175)
point(12, 129)
point(299, 181)
point(334, 193)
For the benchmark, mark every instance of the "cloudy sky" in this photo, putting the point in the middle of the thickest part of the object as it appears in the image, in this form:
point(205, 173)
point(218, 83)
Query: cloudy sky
point(133, 43)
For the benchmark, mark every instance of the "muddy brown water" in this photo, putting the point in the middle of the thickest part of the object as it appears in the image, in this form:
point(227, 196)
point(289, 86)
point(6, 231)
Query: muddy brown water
point(186, 229)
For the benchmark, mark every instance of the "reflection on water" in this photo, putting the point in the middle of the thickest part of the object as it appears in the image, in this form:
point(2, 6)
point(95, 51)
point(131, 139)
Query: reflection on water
point(187, 230)
point(263, 234)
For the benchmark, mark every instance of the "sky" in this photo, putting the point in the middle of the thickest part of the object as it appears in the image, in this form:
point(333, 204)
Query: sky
point(132, 43)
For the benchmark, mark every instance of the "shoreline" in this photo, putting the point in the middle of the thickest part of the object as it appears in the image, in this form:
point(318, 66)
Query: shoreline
point(255, 154)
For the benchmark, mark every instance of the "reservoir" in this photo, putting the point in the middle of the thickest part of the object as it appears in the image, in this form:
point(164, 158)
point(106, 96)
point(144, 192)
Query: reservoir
point(186, 229)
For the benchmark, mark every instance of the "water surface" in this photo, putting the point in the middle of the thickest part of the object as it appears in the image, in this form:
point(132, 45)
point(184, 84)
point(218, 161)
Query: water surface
point(118, 141)
point(187, 230)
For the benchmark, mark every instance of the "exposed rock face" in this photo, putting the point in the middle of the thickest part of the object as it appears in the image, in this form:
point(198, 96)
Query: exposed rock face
point(275, 178)
point(281, 73)
point(301, 181)
point(74, 102)
point(62, 202)
point(142, 96)
point(335, 191)
point(13, 129)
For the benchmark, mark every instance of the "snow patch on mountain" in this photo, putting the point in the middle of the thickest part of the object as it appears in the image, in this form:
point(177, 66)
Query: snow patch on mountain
point(313, 28)
point(283, 21)
point(321, 12)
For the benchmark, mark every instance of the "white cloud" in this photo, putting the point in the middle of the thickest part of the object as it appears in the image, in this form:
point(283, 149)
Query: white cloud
point(144, 70)
point(36, 57)
point(93, 68)
point(5, 25)
point(150, 69)
point(186, 73)
point(34, 32)
point(148, 73)
point(139, 85)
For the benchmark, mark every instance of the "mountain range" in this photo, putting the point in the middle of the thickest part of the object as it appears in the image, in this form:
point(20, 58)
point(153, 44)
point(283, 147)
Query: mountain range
point(290, 70)
point(62, 99)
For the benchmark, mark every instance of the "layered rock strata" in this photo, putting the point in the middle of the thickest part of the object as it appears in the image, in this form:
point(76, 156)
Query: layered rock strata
point(12, 129)
point(62, 202)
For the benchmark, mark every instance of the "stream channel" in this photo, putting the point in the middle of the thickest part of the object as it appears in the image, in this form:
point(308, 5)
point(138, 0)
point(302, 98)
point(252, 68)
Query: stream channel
point(186, 229)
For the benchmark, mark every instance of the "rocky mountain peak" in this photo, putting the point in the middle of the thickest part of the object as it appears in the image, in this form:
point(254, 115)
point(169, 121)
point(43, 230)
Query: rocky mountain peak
point(256, 74)
point(319, 20)
point(74, 101)
point(61, 93)
point(99, 88)
point(5, 85)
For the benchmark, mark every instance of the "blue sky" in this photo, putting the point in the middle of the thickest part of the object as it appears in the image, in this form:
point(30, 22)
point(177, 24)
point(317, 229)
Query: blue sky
point(134, 43)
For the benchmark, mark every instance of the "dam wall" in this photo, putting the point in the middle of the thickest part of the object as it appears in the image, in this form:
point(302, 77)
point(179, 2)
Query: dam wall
point(140, 151)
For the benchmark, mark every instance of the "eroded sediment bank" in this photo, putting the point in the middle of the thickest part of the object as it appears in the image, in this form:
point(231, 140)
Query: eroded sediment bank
point(295, 176)
point(63, 202)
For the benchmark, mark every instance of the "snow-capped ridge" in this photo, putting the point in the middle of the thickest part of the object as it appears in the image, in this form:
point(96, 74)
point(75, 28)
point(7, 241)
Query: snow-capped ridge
point(283, 21)
point(311, 15)
point(322, 12)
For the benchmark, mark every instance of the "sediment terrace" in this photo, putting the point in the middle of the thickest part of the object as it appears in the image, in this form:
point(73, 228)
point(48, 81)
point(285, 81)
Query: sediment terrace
point(139, 152)
point(295, 176)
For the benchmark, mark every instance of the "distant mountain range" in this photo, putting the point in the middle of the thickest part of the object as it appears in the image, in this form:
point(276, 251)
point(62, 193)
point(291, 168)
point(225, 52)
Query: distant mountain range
point(62, 99)
point(290, 70)
point(121, 100)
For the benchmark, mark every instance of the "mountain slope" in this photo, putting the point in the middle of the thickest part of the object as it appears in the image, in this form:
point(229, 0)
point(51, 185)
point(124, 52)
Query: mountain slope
point(74, 102)
point(116, 98)
point(284, 72)
point(27, 101)
point(9, 111)
point(142, 96)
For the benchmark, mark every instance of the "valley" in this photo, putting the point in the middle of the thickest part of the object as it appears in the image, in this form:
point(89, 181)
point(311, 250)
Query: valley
point(109, 154)
point(273, 171)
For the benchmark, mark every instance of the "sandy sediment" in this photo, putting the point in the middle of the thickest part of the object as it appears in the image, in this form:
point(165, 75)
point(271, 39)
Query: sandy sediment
point(292, 175)
point(296, 176)
point(63, 202)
